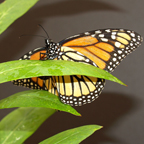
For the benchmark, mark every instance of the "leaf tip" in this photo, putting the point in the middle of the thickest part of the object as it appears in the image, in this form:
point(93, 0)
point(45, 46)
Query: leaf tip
point(78, 114)
point(98, 127)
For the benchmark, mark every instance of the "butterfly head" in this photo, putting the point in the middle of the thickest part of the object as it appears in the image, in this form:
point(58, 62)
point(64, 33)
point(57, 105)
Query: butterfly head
point(52, 49)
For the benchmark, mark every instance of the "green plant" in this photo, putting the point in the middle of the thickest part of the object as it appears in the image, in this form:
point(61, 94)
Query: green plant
point(36, 106)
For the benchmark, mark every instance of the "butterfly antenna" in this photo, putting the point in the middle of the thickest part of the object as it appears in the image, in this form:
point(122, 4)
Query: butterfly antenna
point(44, 30)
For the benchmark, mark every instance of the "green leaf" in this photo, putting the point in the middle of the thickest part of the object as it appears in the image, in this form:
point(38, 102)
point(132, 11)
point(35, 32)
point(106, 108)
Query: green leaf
point(20, 124)
point(32, 68)
point(36, 98)
point(72, 136)
point(10, 10)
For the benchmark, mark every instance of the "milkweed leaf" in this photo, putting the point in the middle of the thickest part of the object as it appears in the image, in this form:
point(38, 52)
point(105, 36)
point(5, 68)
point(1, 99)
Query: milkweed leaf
point(21, 123)
point(36, 98)
point(10, 10)
point(20, 69)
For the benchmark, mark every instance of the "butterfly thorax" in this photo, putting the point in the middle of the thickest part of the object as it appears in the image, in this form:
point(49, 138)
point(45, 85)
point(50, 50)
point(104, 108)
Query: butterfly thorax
point(52, 50)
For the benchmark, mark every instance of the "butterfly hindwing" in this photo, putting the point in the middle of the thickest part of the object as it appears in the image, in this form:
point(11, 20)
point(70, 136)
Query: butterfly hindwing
point(77, 90)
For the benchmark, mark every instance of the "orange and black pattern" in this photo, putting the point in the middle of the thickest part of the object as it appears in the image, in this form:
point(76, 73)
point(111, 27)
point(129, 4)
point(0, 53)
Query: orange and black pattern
point(104, 48)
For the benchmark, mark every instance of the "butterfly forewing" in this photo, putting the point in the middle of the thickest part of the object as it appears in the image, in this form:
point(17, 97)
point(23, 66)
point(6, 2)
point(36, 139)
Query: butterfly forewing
point(42, 83)
point(105, 47)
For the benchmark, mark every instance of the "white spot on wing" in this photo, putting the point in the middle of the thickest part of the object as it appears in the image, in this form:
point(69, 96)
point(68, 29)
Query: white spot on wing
point(114, 59)
point(110, 63)
point(97, 32)
point(73, 36)
point(87, 60)
point(115, 54)
point(119, 57)
point(25, 56)
point(30, 52)
point(104, 39)
point(134, 39)
point(101, 35)
point(113, 36)
point(107, 30)
point(117, 44)
point(119, 51)
point(113, 33)
point(93, 35)
point(132, 34)
point(86, 33)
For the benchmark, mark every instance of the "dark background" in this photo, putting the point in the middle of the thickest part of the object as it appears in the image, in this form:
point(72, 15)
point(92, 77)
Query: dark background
point(119, 109)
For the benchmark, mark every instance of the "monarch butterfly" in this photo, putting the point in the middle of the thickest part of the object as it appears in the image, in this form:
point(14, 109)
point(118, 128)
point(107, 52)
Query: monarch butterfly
point(103, 48)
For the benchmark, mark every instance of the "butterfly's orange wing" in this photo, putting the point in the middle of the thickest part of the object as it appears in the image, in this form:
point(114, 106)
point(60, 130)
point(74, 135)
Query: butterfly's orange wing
point(77, 90)
point(104, 48)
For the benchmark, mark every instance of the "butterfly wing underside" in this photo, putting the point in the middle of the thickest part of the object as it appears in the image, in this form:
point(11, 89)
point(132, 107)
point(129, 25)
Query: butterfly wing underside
point(74, 90)
point(77, 90)
point(104, 48)
point(41, 83)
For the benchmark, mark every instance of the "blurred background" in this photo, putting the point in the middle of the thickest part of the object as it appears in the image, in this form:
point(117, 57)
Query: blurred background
point(119, 109)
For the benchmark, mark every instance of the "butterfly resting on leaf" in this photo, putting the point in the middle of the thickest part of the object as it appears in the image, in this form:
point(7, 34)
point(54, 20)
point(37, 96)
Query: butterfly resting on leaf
point(103, 48)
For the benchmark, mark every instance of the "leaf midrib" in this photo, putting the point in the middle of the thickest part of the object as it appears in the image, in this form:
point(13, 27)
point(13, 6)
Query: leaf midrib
point(18, 68)
point(6, 12)
point(67, 137)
